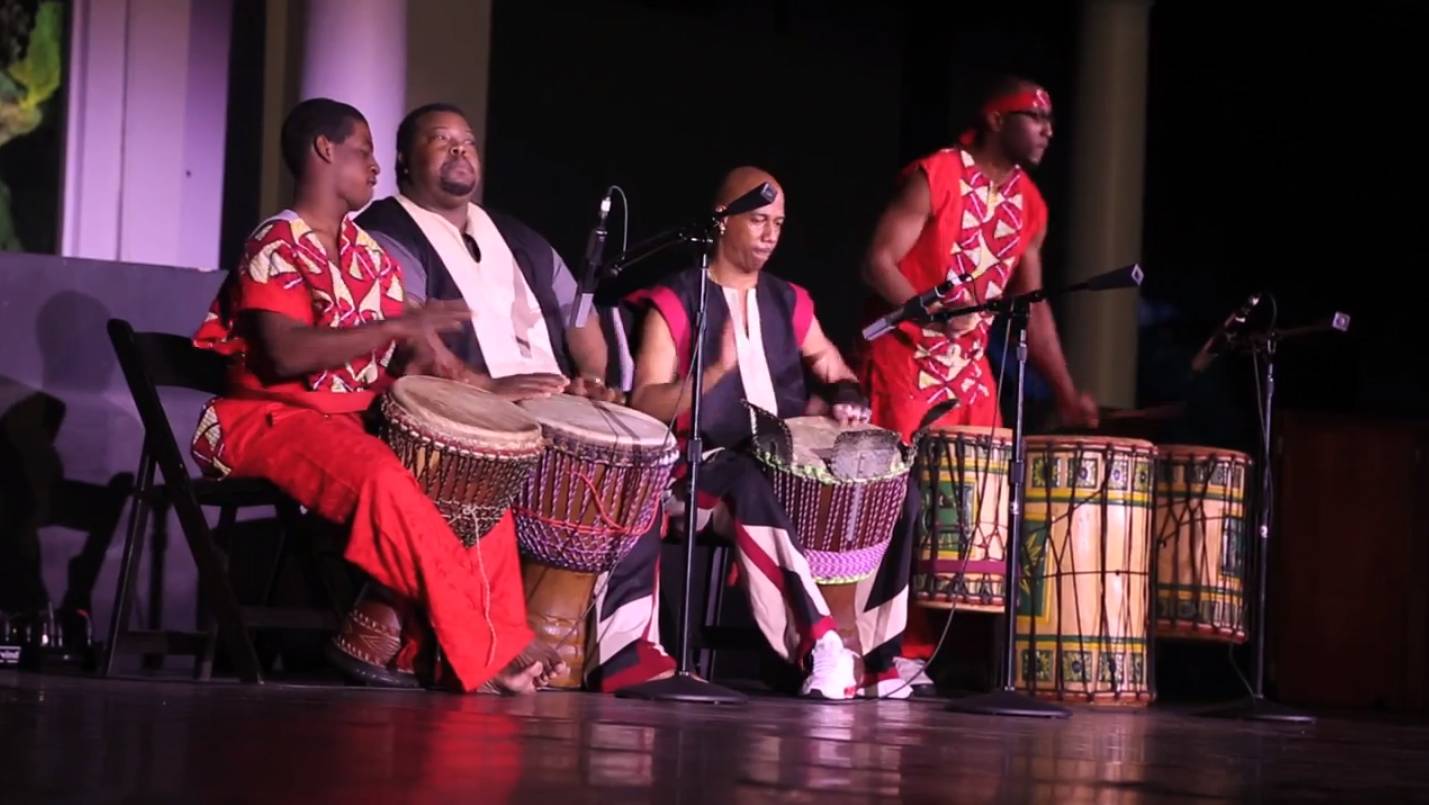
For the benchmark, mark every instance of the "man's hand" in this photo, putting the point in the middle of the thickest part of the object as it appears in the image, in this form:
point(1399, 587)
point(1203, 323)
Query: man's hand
point(847, 414)
point(524, 387)
point(420, 322)
point(594, 388)
point(1078, 410)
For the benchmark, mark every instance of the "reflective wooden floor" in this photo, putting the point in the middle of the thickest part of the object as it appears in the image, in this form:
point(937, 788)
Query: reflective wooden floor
point(74, 739)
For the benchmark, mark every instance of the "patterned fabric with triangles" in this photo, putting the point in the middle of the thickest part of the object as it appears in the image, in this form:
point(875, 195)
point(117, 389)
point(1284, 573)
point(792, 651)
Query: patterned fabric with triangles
point(286, 270)
point(983, 255)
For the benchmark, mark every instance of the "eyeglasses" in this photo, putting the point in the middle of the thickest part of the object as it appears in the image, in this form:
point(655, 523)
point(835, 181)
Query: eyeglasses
point(1039, 115)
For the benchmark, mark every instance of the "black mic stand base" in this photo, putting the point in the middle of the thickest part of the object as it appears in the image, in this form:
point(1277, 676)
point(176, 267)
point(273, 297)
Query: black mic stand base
point(682, 687)
point(1256, 708)
point(1007, 703)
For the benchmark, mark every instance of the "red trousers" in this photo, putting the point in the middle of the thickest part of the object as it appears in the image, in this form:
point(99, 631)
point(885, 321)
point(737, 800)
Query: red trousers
point(890, 377)
point(329, 464)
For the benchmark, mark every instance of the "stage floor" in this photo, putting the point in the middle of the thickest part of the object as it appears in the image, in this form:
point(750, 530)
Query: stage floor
point(74, 739)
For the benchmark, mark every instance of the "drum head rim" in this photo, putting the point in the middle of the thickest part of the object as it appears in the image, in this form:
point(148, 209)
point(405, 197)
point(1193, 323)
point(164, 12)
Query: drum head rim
point(979, 431)
point(406, 396)
point(659, 438)
point(820, 471)
point(1073, 442)
point(1181, 451)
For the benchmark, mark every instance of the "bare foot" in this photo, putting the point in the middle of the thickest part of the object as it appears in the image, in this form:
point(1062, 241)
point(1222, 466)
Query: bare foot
point(537, 652)
point(514, 681)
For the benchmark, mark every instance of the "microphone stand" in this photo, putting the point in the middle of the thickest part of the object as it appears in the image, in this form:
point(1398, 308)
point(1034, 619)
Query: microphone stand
point(1256, 707)
point(1008, 701)
point(684, 686)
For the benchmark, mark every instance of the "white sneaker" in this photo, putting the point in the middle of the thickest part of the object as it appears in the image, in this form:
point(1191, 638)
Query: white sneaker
point(891, 688)
point(832, 675)
point(913, 672)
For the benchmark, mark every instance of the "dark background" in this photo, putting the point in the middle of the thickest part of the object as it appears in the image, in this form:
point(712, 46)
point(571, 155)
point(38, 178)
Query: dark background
point(1281, 153)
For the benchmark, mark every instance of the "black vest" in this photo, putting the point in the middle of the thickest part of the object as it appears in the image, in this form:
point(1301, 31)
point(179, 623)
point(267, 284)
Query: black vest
point(534, 256)
point(725, 419)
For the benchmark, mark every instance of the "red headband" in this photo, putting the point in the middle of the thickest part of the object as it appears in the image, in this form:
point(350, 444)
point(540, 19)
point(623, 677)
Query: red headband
point(1027, 100)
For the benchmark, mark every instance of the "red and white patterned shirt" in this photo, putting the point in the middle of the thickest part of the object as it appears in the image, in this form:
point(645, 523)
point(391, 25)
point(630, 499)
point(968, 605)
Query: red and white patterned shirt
point(286, 270)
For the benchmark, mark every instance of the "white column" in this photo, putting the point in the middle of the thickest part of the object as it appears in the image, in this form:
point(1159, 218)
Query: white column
point(147, 122)
point(355, 51)
point(1108, 186)
point(448, 60)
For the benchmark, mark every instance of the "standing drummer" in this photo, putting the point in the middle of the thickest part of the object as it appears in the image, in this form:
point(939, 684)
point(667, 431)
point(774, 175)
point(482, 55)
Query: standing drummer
point(315, 323)
point(515, 342)
point(763, 338)
point(968, 212)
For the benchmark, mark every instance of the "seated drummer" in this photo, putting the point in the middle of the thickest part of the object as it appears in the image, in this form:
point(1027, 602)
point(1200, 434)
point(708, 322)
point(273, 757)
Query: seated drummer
point(315, 324)
point(762, 340)
point(519, 291)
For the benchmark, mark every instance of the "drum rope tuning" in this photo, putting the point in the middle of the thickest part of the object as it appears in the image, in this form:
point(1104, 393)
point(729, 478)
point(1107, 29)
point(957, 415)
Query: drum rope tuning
point(470, 512)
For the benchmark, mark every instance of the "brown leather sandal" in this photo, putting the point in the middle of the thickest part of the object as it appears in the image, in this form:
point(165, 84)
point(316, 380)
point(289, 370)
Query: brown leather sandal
point(367, 647)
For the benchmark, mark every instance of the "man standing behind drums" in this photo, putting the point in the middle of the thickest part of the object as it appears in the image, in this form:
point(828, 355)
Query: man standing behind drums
point(762, 338)
point(967, 212)
point(516, 343)
point(315, 325)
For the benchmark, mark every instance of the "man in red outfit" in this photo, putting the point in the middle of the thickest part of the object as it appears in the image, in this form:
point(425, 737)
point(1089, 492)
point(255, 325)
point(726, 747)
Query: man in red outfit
point(315, 325)
point(968, 213)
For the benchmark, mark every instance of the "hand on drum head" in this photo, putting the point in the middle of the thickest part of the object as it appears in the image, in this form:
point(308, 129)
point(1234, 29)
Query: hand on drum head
point(527, 387)
point(850, 414)
point(1078, 410)
point(594, 388)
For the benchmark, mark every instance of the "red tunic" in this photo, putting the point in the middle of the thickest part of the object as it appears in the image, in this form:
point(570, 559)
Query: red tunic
point(306, 438)
point(978, 231)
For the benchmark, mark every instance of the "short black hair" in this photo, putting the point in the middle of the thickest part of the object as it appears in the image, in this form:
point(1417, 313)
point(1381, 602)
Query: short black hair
point(334, 120)
point(407, 129)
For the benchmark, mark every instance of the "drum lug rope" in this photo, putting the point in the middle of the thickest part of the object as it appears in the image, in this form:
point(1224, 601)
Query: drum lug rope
point(469, 511)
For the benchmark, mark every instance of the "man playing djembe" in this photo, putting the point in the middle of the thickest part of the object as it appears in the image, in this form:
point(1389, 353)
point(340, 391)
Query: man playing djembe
point(763, 337)
point(315, 325)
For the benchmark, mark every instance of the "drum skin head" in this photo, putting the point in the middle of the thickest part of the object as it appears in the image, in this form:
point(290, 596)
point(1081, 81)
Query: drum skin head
point(459, 411)
point(850, 452)
point(598, 422)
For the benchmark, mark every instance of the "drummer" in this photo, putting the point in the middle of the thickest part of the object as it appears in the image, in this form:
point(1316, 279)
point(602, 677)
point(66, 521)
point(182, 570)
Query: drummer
point(762, 338)
point(314, 323)
point(969, 210)
point(517, 286)
point(516, 342)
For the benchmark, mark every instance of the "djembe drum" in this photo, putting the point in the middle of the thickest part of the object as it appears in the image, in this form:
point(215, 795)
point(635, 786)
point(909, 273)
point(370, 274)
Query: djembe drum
point(470, 451)
point(1083, 615)
point(1200, 527)
point(595, 491)
point(843, 488)
point(959, 560)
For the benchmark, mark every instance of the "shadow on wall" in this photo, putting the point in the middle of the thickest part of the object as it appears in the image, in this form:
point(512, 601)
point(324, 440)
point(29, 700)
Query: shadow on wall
point(36, 491)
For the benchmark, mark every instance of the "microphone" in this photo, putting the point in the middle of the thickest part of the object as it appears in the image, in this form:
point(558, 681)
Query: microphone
point(594, 250)
point(1337, 322)
point(1224, 334)
point(913, 308)
point(1124, 277)
point(760, 196)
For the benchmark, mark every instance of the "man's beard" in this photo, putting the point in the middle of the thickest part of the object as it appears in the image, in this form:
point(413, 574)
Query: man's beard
point(455, 187)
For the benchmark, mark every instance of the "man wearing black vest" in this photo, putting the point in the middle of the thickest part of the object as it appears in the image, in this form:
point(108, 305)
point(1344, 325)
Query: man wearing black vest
point(517, 286)
point(519, 291)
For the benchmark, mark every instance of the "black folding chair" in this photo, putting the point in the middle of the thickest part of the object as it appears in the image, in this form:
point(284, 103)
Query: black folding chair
point(150, 361)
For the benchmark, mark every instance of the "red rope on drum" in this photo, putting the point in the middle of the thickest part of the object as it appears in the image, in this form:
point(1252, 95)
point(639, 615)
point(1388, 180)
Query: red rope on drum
point(614, 526)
